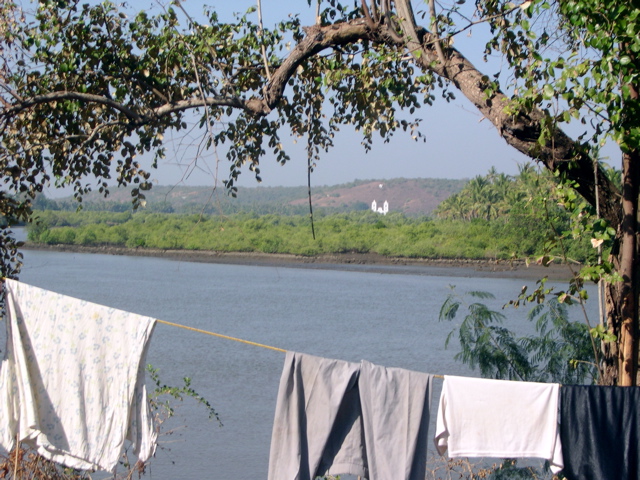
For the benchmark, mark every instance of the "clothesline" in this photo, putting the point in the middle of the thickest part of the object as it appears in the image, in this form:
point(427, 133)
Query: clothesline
point(227, 337)
point(235, 339)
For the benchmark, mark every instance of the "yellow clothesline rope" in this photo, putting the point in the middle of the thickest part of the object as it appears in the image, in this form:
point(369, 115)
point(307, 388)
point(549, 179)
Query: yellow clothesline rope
point(235, 339)
point(255, 344)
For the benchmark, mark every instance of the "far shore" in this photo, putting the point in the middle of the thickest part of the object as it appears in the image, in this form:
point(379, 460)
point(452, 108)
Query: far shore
point(369, 262)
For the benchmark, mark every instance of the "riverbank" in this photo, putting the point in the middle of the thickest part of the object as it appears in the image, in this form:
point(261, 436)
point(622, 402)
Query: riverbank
point(369, 262)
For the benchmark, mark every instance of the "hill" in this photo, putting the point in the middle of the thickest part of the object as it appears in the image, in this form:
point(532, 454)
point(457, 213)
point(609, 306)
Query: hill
point(409, 196)
point(413, 197)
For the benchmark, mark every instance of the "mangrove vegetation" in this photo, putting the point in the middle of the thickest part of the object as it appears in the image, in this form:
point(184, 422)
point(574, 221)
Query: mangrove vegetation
point(495, 216)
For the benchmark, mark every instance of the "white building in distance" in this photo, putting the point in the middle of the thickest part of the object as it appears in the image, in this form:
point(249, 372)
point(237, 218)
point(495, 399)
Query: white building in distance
point(383, 210)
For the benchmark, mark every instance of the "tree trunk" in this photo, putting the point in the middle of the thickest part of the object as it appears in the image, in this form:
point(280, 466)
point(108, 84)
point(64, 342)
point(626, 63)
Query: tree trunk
point(622, 314)
point(621, 357)
point(628, 352)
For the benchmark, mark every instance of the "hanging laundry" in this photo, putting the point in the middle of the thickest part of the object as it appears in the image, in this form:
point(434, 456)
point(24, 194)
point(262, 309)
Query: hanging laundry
point(600, 432)
point(395, 412)
point(334, 417)
point(497, 418)
point(72, 383)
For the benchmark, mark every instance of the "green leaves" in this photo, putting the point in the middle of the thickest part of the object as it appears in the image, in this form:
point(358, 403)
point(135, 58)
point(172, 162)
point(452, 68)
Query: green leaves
point(587, 73)
point(600, 333)
point(166, 408)
point(560, 351)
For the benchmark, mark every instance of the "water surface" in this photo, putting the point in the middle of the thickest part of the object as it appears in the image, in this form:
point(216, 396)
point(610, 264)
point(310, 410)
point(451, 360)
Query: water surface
point(390, 320)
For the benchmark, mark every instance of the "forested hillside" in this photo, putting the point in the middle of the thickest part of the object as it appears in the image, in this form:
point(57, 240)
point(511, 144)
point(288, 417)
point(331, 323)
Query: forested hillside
point(412, 197)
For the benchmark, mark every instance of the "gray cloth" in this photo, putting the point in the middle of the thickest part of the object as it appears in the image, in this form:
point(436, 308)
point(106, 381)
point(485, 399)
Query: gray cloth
point(335, 417)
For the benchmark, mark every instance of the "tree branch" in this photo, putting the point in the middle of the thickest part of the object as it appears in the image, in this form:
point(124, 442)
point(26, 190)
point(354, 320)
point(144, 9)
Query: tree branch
point(317, 39)
point(58, 96)
point(197, 102)
point(262, 47)
point(521, 131)
point(561, 154)
point(436, 32)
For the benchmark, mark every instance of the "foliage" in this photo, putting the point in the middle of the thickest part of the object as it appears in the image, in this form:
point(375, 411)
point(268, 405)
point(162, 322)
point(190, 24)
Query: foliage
point(259, 200)
point(507, 469)
point(32, 465)
point(165, 409)
point(495, 195)
point(575, 235)
point(561, 351)
point(575, 60)
point(104, 88)
point(576, 64)
point(87, 90)
point(521, 231)
point(393, 235)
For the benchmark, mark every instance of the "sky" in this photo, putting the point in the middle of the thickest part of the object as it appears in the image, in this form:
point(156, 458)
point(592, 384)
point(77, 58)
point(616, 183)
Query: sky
point(459, 144)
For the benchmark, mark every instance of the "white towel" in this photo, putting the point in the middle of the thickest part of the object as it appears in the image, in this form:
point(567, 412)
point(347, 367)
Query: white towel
point(497, 418)
point(72, 384)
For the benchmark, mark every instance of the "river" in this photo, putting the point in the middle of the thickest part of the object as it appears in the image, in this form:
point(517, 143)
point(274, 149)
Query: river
point(388, 319)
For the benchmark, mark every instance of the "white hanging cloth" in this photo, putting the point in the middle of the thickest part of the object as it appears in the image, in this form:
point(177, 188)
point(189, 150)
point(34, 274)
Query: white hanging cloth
point(72, 383)
point(479, 417)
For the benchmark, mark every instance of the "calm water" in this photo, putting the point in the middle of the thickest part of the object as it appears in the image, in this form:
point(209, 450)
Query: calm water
point(389, 319)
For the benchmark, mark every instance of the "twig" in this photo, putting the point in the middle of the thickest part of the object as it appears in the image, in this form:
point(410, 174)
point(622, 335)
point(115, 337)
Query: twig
point(367, 14)
point(435, 30)
point(563, 248)
point(262, 47)
point(600, 285)
point(309, 170)
point(392, 25)
point(15, 458)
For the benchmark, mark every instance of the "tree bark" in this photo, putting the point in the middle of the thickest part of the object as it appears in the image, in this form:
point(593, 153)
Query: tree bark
point(625, 322)
point(621, 357)
point(629, 256)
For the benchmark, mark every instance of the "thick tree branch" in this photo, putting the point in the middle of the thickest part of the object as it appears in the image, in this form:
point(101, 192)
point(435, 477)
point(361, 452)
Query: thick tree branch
point(316, 40)
point(196, 102)
point(561, 154)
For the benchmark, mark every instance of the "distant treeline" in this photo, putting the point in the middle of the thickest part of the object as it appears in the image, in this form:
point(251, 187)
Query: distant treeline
point(364, 232)
point(204, 202)
point(494, 217)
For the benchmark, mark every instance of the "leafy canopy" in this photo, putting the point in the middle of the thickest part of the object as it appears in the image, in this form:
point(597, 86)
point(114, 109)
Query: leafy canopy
point(88, 89)
point(560, 351)
point(576, 61)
